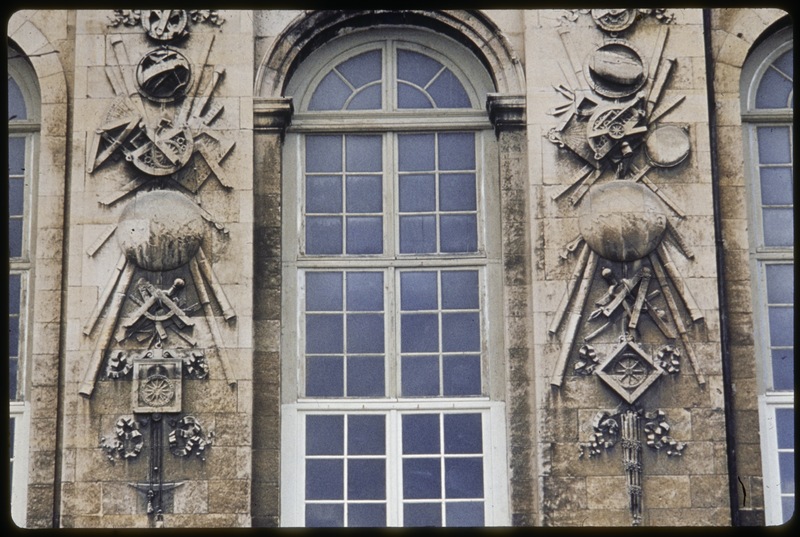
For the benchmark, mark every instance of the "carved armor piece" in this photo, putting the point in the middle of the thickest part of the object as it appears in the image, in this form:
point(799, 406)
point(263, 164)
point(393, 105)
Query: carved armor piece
point(164, 75)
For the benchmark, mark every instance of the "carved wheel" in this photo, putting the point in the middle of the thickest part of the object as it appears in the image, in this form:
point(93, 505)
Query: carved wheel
point(630, 372)
point(157, 390)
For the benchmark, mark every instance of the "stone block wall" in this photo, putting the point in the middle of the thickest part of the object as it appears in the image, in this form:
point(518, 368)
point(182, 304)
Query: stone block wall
point(584, 473)
point(167, 212)
point(98, 215)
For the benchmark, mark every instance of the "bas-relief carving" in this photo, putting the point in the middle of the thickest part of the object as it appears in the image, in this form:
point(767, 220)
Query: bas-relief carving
point(635, 332)
point(159, 331)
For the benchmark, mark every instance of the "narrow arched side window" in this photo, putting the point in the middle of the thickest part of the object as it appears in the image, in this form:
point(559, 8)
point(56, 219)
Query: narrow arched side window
point(393, 409)
point(767, 102)
point(23, 135)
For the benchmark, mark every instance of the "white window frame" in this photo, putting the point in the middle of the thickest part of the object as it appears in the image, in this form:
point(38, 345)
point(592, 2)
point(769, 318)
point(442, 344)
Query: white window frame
point(486, 260)
point(760, 257)
point(29, 129)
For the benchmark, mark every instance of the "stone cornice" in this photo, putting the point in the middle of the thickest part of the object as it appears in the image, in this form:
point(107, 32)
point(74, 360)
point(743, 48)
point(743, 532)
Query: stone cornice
point(272, 114)
point(506, 110)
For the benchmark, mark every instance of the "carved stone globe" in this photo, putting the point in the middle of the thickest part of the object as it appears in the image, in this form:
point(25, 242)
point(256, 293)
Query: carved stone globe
point(160, 230)
point(622, 221)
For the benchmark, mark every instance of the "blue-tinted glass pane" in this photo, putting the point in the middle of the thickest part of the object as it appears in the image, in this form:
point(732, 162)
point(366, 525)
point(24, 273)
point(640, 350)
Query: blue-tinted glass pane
point(783, 369)
point(416, 152)
point(366, 515)
point(323, 153)
point(364, 194)
point(365, 333)
point(417, 193)
point(362, 69)
point(776, 186)
point(411, 97)
point(460, 289)
point(773, 145)
point(324, 291)
point(331, 94)
point(16, 156)
point(324, 515)
point(365, 376)
point(787, 504)
point(13, 336)
point(419, 333)
point(15, 238)
point(464, 514)
point(364, 235)
point(778, 227)
point(364, 153)
point(420, 434)
point(463, 478)
point(420, 376)
point(418, 291)
point(462, 375)
point(786, 463)
point(773, 91)
point(16, 197)
point(459, 233)
point(323, 194)
point(780, 284)
point(416, 68)
point(422, 479)
point(366, 434)
point(16, 102)
point(13, 365)
point(324, 435)
point(364, 291)
point(785, 63)
point(422, 515)
point(457, 151)
point(366, 479)
point(447, 91)
point(324, 479)
point(461, 332)
point(324, 334)
point(457, 192)
point(462, 433)
point(781, 327)
point(417, 234)
point(369, 98)
point(14, 287)
point(785, 420)
point(323, 235)
point(324, 376)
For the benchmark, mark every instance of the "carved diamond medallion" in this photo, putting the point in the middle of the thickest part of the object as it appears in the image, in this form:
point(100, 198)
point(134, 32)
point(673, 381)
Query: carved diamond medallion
point(629, 371)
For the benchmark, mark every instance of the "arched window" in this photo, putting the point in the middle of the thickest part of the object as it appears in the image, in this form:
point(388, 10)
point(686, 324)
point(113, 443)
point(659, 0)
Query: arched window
point(767, 114)
point(23, 134)
point(392, 409)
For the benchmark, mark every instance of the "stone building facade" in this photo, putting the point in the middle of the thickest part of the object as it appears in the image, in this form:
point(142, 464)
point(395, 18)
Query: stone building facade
point(498, 267)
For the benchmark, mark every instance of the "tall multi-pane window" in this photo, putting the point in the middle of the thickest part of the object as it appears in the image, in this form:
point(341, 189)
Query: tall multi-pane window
point(392, 396)
point(767, 114)
point(23, 129)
